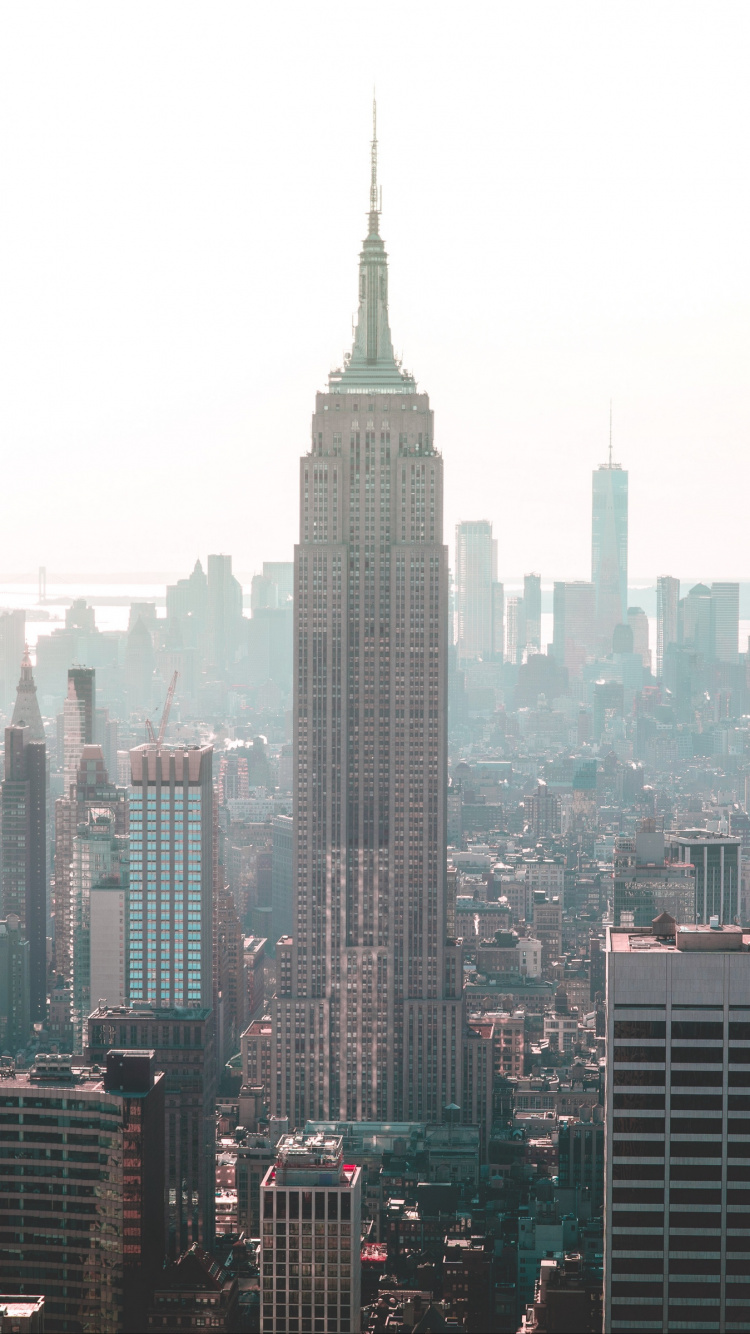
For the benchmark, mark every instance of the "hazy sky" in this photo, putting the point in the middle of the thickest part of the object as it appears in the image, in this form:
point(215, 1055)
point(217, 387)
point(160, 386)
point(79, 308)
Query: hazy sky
point(566, 205)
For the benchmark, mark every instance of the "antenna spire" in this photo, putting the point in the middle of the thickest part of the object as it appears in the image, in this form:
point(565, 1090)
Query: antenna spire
point(610, 433)
point(374, 209)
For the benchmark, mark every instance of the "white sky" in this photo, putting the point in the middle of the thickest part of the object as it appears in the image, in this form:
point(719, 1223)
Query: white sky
point(565, 203)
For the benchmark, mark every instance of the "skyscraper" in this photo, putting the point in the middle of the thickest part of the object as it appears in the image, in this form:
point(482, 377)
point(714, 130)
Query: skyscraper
point(26, 709)
point(573, 632)
point(476, 572)
point(532, 605)
point(676, 1241)
point(609, 549)
point(170, 913)
point(368, 1016)
point(23, 798)
point(667, 602)
point(725, 621)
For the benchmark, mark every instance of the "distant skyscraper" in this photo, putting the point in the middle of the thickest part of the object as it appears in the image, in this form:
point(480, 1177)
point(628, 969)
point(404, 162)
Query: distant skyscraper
point(476, 571)
point(15, 1017)
point(532, 604)
point(667, 602)
point(26, 710)
point(368, 1020)
point(23, 798)
point(609, 549)
point(695, 622)
point(725, 621)
point(573, 634)
point(514, 621)
point(678, 1064)
point(638, 622)
point(224, 612)
point(170, 912)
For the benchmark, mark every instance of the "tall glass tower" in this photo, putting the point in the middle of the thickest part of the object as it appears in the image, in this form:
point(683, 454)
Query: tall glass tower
point(170, 903)
point(367, 1023)
point(609, 549)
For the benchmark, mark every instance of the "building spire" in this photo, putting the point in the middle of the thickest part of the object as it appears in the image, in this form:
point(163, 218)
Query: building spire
point(372, 365)
point(26, 711)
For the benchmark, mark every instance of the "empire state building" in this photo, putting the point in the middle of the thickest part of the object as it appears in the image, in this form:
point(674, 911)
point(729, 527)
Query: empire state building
point(368, 1016)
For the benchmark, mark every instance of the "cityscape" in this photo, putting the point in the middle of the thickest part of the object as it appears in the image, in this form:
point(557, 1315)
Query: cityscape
point(375, 924)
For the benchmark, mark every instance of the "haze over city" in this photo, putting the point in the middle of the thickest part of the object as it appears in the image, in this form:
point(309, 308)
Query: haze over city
point(374, 670)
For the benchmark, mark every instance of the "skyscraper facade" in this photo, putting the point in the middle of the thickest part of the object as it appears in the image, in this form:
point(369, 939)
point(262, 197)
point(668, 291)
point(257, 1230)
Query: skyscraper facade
point(170, 911)
point(676, 1241)
point(574, 623)
point(23, 801)
point(725, 621)
point(532, 605)
point(667, 603)
point(609, 549)
point(368, 1016)
point(476, 572)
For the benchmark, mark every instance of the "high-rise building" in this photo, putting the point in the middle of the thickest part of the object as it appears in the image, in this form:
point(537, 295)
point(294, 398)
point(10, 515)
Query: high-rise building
point(15, 1018)
point(532, 605)
point(476, 572)
point(90, 790)
point(695, 621)
point(170, 912)
point(667, 602)
point(638, 622)
point(282, 876)
point(676, 1241)
point(224, 612)
point(83, 1222)
point(514, 629)
point(609, 549)
point(99, 866)
point(368, 1020)
point(23, 889)
point(647, 883)
point(574, 624)
point(183, 1041)
point(725, 621)
point(311, 1202)
point(717, 859)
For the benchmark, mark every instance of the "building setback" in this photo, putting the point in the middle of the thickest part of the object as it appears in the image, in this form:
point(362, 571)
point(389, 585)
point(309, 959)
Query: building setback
point(676, 1240)
point(368, 1020)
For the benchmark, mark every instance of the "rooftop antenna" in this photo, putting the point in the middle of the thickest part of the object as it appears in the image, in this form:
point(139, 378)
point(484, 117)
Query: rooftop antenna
point(610, 433)
point(374, 161)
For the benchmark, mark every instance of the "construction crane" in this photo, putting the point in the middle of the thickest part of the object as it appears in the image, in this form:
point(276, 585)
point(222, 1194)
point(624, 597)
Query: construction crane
point(153, 738)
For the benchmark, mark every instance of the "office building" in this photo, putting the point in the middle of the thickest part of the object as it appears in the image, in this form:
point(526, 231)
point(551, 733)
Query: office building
point(609, 549)
point(532, 608)
point(725, 622)
point(26, 708)
point(647, 883)
point(84, 1222)
point(695, 622)
point(368, 1023)
point(23, 889)
point(311, 1202)
point(476, 572)
point(514, 630)
point(170, 916)
point(90, 790)
point(667, 603)
point(225, 624)
point(183, 1040)
point(15, 1016)
point(98, 883)
point(717, 859)
point(255, 1154)
point(676, 1240)
point(574, 624)
point(541, 812)
point(638, 622)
